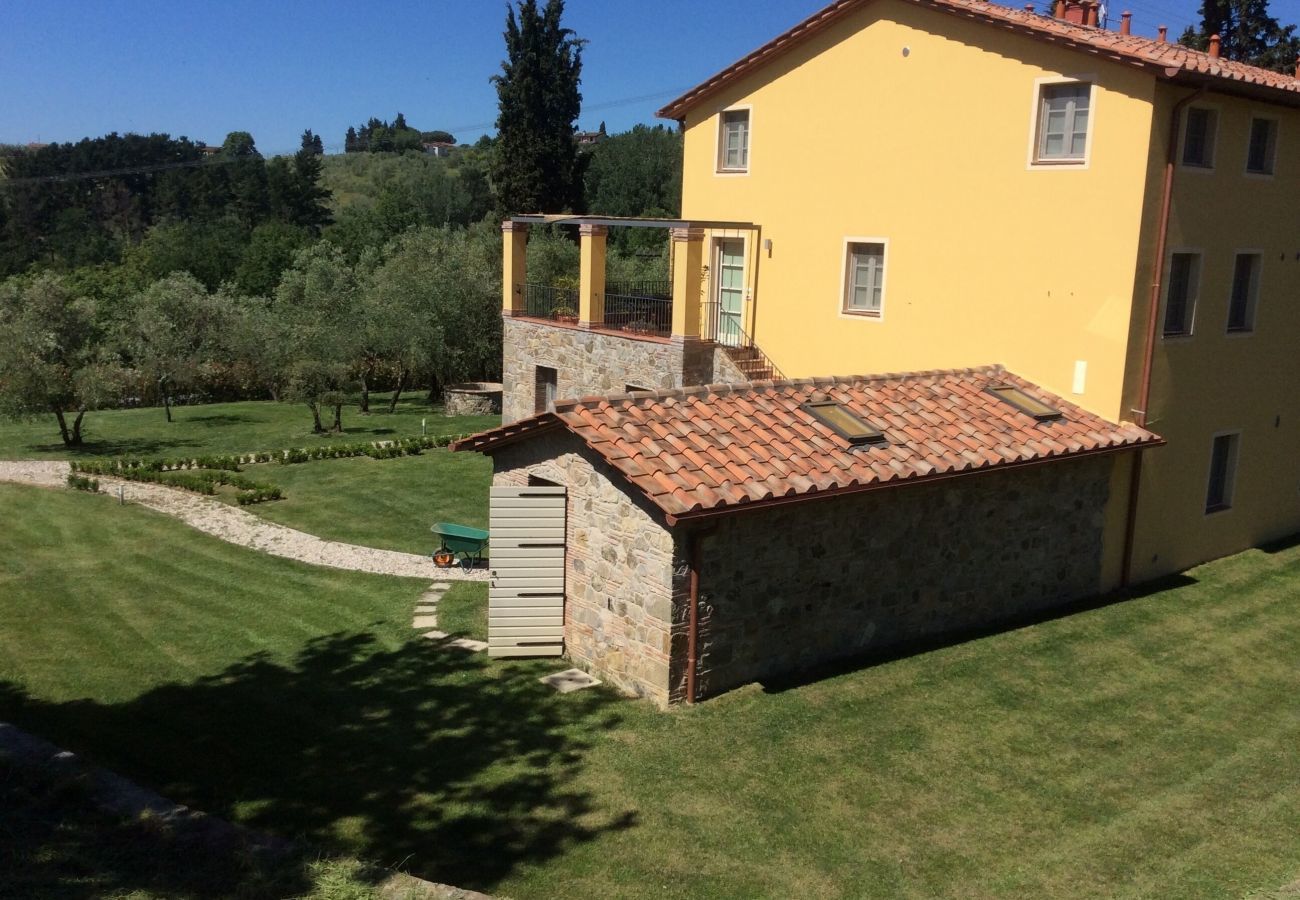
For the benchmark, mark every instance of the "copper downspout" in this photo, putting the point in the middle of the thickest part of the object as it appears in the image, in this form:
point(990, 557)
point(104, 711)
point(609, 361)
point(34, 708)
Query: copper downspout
point(1153, 322)
point(694, 554)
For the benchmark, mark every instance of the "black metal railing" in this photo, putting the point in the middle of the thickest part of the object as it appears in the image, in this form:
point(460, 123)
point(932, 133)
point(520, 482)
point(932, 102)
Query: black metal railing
point(725, 329)
point(545, 302)
point(640, 307)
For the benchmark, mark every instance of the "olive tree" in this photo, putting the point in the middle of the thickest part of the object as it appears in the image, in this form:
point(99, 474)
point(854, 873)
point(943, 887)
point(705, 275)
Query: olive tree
point(54, 358)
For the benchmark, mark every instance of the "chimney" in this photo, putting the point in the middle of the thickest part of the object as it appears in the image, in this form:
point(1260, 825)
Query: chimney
point(1126, 23)
point(1029, 7)
point(1163, 32)
point(1214, 46)
point(1074, 12)
point(1297, 67)
point(1091, 8)
point(1058, 9)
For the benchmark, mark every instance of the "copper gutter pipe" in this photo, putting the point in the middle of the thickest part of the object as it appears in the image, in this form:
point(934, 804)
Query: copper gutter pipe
point(694, 553)
point(1140, 413)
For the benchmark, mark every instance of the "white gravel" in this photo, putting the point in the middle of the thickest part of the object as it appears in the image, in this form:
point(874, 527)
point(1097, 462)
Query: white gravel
point(238, 526)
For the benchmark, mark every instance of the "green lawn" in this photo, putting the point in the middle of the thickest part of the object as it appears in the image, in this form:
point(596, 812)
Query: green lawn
point(388, 503)
point(1145, 748)
point(226, 428)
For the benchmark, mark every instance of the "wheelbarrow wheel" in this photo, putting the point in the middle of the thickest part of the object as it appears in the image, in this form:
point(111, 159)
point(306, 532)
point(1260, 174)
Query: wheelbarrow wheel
point(444, 558)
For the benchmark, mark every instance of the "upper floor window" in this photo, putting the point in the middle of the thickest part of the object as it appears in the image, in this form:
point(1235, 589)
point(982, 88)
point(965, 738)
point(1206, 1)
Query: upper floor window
point(1180, 296)
point(1198, 138)
point(1063, 114)
point(733, 141)
point(864, 278)
point(1262, 150)
point(1245, 292)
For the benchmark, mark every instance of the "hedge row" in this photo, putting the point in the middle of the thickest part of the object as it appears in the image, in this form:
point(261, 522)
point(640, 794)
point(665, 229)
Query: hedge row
point(200, 481)
point(82, 483)
point(375, 450)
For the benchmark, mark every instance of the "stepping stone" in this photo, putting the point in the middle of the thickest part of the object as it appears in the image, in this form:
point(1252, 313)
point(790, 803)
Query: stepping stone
point(569, 680)
point(435, 635)
point(424, 622)
point(468, 644)
point(442, 586)
point(426, 609)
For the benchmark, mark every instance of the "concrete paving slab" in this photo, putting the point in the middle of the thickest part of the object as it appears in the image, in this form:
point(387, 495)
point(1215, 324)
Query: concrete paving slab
point(569, 680)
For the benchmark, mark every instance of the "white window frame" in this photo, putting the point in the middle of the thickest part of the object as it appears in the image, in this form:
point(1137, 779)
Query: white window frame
point(843, 300)
point(1194, 286)
point(1212, 139)
point(1035, 114)
point(749, 145)
point(1277, 139)
point(1230, 477)
point(1252, 303)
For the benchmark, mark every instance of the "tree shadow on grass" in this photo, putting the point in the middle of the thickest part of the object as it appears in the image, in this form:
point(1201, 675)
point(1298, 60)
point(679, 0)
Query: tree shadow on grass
point(116, 447)
point(215, 420)
point(438, 761)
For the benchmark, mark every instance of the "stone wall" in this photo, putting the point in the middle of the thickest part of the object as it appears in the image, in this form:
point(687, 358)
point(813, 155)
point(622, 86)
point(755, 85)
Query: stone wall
point(472, 399)
point(597, 363)
point(795, 586)
point(618, 564)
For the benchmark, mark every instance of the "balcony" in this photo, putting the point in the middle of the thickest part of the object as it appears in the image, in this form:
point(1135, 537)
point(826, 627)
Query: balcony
point(672, 308)
point(631, 308)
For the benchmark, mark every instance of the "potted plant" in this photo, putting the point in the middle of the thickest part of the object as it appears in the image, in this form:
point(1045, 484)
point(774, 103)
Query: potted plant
point(565, 314)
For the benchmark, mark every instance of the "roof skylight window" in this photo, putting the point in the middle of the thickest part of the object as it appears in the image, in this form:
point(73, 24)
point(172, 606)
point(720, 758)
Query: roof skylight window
point(1014, 396)
point(840, 420)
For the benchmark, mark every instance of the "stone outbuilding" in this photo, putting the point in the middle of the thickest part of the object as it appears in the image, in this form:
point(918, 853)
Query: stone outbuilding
point(680, 543)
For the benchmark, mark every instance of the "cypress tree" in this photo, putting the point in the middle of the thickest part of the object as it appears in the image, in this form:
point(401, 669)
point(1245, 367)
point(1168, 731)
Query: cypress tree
point(535, 165)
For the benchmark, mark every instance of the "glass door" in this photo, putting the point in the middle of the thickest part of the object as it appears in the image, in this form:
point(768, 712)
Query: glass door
point(730, 291)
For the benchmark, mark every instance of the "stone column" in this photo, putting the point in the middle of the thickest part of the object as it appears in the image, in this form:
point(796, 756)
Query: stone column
point(514, 268)
point(688, 282)
point(591, 275)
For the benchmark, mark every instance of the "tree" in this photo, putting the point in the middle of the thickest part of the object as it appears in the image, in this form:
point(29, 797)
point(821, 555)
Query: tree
point(317, 306)
point(271, 249)
point(295, 194)
point(1247, 34)
point(536, 166)
point(312, 143)
point(438, 137)
point(636, 173)
point(52, 354)
point(352, 143)
point(173, 334)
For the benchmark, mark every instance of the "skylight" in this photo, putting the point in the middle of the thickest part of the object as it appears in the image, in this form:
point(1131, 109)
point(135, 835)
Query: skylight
point(1014, 396)
point(844, 423)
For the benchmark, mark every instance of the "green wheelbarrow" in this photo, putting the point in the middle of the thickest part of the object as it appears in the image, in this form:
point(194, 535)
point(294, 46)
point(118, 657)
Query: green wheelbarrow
point(459, 541)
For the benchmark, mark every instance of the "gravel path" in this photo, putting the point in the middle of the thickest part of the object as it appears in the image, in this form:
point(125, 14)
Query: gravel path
point(238, 526)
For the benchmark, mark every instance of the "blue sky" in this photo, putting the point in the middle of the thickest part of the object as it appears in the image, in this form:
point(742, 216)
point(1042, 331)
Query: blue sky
point(71, 69)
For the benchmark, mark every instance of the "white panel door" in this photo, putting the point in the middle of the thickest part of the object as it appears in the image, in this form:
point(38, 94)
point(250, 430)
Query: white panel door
point(526, 550)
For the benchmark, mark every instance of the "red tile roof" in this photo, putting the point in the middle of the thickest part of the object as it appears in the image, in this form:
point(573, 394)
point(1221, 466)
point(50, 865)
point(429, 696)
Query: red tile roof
point(1165, 59)
point(706, 449)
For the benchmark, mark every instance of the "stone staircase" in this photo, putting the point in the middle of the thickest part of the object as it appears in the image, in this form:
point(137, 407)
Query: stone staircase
point(752, 363)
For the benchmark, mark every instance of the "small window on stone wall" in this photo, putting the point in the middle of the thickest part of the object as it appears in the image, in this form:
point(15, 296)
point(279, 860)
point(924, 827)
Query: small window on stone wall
point(545, 380)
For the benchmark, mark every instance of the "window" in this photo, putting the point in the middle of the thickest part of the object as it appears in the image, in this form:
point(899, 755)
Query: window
point(843, 422)
point(544, 384)
point(864, 279)
point(1063, 123)
point(1026, 403)
point(1245, 292)
point(1180, 296)
point(629, 388)
point(1262, 149)
point(733, 141)
point(1223, 472)
point(1198, 138)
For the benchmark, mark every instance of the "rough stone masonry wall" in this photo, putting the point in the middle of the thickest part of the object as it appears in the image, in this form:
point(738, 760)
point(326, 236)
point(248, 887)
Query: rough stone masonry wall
point(796, 586)
point(593, 363)
point(618, 565)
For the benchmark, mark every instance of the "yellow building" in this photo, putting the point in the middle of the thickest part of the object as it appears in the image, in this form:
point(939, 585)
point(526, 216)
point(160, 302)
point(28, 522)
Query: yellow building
point(905, 185)
point(951, 182)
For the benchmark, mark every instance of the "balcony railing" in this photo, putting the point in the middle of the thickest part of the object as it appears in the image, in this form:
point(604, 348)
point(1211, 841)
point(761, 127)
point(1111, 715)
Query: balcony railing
point(640, 307)
point(545, 302)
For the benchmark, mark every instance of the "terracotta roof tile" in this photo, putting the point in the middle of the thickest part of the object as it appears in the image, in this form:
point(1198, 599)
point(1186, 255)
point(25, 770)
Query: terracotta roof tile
point(716, 456)
point(1164, 59)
